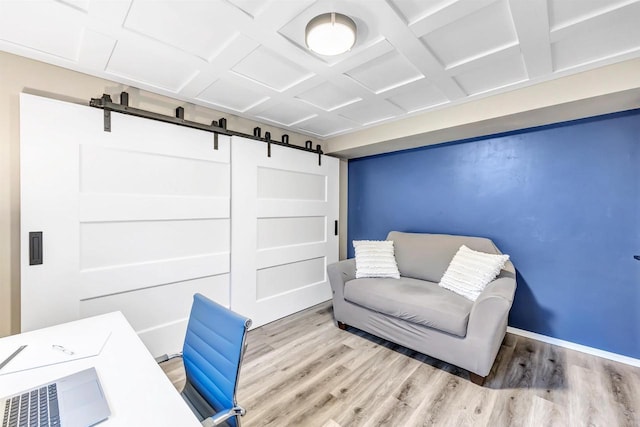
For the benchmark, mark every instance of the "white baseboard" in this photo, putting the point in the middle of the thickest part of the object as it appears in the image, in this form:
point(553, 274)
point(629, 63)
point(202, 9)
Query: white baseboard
point(578, 347)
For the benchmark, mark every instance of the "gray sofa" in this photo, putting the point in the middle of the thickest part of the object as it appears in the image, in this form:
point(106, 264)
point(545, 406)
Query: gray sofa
point(415, 312)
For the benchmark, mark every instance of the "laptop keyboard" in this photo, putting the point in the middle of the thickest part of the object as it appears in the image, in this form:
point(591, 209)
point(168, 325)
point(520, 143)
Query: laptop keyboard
point(36, 408)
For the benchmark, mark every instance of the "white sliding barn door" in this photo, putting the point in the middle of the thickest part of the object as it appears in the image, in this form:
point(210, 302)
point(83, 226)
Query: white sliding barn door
point(283, 213)
point(136, 219)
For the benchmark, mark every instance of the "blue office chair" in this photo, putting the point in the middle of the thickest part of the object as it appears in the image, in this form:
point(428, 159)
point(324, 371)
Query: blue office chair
point(212, 354)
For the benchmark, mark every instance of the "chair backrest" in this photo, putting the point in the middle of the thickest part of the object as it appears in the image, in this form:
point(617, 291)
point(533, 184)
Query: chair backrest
point(213, 350)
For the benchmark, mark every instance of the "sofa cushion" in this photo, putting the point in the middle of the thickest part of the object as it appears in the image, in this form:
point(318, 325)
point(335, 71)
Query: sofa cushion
point(374, 258)
point(417, 301)
point(471, 271)
point(427, 256)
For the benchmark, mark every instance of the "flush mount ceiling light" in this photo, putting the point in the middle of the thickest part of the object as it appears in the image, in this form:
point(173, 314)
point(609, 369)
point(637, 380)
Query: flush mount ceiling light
point(330, 34)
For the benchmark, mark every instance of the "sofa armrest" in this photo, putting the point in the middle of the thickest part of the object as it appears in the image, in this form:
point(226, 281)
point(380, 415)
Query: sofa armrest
point(488, 320)
point(339, 274)
point(492, 306)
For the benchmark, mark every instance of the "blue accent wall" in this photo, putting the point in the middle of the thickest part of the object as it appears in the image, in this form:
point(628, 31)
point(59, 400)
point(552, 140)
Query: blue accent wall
point(562, 200)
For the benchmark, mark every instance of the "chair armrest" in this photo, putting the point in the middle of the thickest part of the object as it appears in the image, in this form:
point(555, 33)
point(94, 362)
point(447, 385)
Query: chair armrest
point(222, 416)
point(339, 274)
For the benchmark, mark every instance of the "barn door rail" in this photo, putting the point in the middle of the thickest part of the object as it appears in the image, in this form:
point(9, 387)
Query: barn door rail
point(218, 127)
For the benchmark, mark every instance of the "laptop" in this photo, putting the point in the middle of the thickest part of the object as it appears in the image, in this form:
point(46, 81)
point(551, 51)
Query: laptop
point(76, 400)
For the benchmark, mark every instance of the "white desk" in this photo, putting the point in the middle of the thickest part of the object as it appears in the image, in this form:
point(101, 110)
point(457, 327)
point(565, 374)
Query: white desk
point(138, 392)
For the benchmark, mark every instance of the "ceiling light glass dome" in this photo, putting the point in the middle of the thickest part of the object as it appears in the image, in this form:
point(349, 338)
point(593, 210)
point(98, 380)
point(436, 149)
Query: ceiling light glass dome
point(330, 34)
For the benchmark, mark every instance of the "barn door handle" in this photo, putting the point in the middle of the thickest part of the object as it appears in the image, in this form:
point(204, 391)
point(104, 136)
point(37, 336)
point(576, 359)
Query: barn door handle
point(335, 227)
point(35, 247)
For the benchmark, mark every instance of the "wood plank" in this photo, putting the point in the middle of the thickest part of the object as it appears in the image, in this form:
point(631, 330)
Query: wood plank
point(545, 413)
point(593, 405)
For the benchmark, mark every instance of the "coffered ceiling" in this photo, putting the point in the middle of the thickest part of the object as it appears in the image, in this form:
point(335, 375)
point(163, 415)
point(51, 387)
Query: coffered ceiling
point(247, 57)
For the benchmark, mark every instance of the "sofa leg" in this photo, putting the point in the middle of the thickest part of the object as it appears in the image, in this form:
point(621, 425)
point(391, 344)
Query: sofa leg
point(342, 326)
point(476, 379)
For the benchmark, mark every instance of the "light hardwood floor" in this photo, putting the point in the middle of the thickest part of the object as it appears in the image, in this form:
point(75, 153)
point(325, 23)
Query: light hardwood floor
point(304, 371)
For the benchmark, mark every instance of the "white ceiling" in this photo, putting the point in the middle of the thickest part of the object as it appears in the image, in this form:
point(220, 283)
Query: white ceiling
point(247, 57)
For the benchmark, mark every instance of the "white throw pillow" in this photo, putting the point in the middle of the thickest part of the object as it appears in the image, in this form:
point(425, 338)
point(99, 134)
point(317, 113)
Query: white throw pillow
point(375, 258)
point(470, 272)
